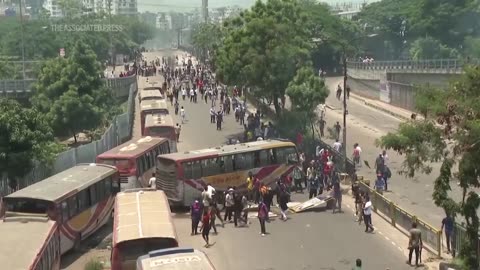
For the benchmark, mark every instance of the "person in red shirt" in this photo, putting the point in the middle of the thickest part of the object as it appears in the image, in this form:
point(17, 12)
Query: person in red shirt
point(206, 227)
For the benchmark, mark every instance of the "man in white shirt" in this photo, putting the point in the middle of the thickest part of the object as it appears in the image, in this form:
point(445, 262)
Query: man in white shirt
point(367, 214)
point(337, 145)
point(152, 182)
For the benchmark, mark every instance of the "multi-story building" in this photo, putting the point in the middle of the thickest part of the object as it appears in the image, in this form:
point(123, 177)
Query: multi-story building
point(116, 7)
point(125, 7)
point(164, 21)
point(53, 8)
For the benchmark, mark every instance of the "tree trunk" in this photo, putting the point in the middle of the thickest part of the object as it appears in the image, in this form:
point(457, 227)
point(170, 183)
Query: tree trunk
point(278, 109)
point(74, 137)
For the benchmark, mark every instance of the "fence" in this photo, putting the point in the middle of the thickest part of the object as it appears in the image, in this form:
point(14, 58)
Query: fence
point(459, 237)
point(399, 217)
point(452, 65)
point(24, 87)
point(118, 132)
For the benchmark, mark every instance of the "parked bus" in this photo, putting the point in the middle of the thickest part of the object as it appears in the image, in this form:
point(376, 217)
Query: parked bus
point(150, 95)
point(175, 258)
point(161, 125)
point(29, 242)
point(135, 160)
point(152, 107)
point(184, 175)
point(79, 199)
point(142, 223)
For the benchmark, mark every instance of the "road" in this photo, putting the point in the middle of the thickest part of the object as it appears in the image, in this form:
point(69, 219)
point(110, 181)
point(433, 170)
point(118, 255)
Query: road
point(364, 126)
point(310, 240)
point(314, 240)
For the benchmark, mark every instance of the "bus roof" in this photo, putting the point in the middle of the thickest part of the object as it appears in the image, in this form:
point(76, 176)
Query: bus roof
point(142, 213)
point(175, 258)
point(228, 149)
point(158, 119)
point(22, 239)
point(56, 187)
point(153, 104)
point(132, 148)
point(151, 94)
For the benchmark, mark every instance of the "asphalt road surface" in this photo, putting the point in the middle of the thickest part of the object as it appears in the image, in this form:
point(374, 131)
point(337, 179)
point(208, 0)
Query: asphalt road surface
point(364, 126)
point(312, 240)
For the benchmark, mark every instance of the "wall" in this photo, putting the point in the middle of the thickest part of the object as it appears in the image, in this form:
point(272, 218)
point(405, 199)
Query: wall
point(118, 132)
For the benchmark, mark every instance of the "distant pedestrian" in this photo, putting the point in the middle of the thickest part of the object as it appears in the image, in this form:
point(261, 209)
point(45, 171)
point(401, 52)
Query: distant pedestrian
point(367, 214)
point(229, 205)
point(183, 115)
point(415, 244)
point(213, 213)
point(262, 217)
point(337, 195)
point(283, 206)
point(196, 215)
point(337, 145)
point(448, 224)
point(206, 227)
point(178, 128)
point(313, 185)
point(337, 128)
point(358, 265)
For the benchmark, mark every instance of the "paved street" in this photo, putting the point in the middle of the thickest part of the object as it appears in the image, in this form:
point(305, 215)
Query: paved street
point(365, 125)
point(315, 240)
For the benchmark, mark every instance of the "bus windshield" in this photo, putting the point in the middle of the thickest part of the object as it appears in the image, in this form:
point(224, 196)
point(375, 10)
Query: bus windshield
point(159, 130)
point(26, 205)
point(121, 164)
point(131, 250)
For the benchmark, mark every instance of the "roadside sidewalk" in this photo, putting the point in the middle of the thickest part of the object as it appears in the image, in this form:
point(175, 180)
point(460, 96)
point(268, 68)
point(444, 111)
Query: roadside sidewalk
point(384, 107)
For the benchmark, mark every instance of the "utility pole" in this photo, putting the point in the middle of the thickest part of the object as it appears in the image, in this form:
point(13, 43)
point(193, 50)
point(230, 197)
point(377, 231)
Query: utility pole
point(345, 111)
point(23, 43)
point(205, 10)
point(112, 55)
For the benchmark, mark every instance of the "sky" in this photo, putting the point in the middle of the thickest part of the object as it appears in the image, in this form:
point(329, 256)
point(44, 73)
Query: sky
point(185, 5)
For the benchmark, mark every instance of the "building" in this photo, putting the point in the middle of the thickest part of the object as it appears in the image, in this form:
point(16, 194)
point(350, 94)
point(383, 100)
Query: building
point(164, 21)
point(149, 18)
point(205, 10)
point(116, 7)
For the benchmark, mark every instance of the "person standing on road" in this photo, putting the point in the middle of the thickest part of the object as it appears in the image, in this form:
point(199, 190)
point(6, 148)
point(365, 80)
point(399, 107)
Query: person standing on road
point(229, 205)
point(414, 244)
point(196, 215)
point(250, 182)
point(367, 214)
point(212, 114)
point(176, 106)
point(348, 91)
point(448, 227)
point(337, 128)
point(313, 185)
point(178, 128)
point(183, 115)
point(321, 124)
point(283, 206)
point(297, 178)
point(206, 227)
point(337, 195)
point(262, 217)
point(219, 120)
point(339, 92)
point(184, 93)
point(337, 145)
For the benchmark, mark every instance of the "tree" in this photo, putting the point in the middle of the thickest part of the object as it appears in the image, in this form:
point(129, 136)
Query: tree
point(306, 92)
point(71, 93)
point(24, 136)
point(430, 48)
point(206, 37)
point(263, 48)
point(452, 136)
point(9, 71)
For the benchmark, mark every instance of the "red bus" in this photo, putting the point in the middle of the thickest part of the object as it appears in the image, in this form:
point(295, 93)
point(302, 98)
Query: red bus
point(175, 258)
point(142, 223)
point(152, 107)
point(150, 95)
point(161, 125)
point(29, 242)
point(182, 176)
point(80, 200)
point(135, 160)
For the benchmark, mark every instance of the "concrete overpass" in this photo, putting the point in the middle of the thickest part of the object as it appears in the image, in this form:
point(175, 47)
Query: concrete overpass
point(394, 81)
point(23, 88)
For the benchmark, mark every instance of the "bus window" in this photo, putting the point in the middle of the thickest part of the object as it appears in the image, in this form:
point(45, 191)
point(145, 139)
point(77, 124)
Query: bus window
point(262, 158)
point(187, 170)
point(292, 155)
point(65, 211)
point(196, 170)
point(283, 155)
point(226, 164)
point(210, 166)
point(72, 206)
point(83, 200)
point(93, 195)
point(273, 156)
point(244, 161)
point(108, 185)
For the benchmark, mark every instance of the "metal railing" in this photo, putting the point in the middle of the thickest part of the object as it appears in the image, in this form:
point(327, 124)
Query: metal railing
point(459, 238)
point(24, 87)
point(400, 217)
point(436, 64)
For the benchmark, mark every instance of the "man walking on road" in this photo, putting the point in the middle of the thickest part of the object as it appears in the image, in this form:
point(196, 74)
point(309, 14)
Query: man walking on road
point(414, 244)
point(367, 214)
point(337, 128)
point(321, 124)
point(447, 227)
point(337, 145)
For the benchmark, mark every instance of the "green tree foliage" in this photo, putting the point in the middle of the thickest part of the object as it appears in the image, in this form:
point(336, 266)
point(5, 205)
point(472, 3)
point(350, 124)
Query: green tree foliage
point(206, 37)
point(264, 47)
point(24, 136)
point(71, 93)
point(400, 23)
point(9, 71)
point(451, 136)
point(472, 47)
point(306, 92)
point(430, 48)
